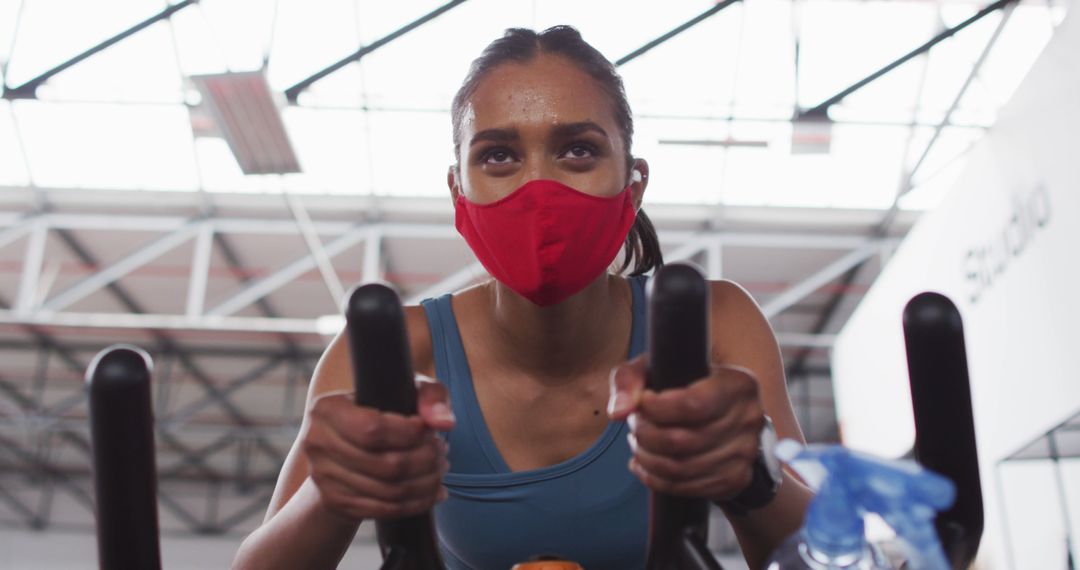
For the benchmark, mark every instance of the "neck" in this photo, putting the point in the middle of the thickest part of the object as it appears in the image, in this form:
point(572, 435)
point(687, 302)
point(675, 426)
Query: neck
point(558, 342)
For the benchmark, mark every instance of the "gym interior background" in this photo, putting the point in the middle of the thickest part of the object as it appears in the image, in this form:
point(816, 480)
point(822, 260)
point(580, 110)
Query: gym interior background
point(206, 179)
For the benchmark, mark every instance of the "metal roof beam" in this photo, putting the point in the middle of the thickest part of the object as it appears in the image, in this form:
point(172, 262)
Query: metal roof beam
point(110, 274)
point(821, 110)
point(801, 290)
point(271, 283)
point(906, 185)
point(293, 93)
point(676, 31)
point(28, 90)
point(316, 249)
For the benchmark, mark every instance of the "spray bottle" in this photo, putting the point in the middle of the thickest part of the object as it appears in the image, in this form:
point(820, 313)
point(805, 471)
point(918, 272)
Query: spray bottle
point(852, 484)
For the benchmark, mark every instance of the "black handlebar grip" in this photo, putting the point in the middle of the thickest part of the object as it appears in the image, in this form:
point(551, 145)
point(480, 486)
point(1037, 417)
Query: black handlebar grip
point(678, 354)
point(379, 347)
point(384, 380)
point(125, 474)
point(944, 422)
point(678, 343)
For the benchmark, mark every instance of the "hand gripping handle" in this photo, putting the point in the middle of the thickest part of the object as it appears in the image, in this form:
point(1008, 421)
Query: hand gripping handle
point(384, 380)
point(678, 354)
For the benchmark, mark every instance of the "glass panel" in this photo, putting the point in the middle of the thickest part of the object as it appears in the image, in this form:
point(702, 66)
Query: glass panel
point(843, 42)
point(142, 67)
point(102, 145)
point(409, 153)
point(382, 125)
point(332, 146)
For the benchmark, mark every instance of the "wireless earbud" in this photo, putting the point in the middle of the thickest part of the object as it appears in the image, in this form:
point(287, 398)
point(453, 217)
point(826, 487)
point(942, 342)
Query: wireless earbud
point(635, 175)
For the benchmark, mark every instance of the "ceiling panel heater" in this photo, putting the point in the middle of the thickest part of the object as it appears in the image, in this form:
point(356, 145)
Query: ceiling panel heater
point(246, 114)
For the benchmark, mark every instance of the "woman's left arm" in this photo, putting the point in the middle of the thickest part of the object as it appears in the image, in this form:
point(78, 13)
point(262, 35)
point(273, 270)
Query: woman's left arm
point(703, 440)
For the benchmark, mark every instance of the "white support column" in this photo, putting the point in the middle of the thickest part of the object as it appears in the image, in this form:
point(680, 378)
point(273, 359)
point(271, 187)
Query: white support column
point(807, 286)
point(714, 256)
point(31, 271)
point(131, 262)
point(17, 231)
point(318, 253)
point(372, 270)
point(200, 270)
point(276, 280)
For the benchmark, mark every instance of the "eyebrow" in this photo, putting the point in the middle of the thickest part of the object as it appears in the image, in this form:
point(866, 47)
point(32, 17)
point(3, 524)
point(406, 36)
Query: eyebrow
point(561, 130)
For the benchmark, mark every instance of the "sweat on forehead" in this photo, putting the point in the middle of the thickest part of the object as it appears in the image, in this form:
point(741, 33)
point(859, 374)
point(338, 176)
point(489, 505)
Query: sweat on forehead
point(542, 93)
point(520, 47)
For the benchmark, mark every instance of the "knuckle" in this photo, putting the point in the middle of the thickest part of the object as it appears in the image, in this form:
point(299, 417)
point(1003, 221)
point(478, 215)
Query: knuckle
point(673, 471)
point(397, 464)
point(375, 431)
point(654, 465)
point(678, 441)
point(692, 407)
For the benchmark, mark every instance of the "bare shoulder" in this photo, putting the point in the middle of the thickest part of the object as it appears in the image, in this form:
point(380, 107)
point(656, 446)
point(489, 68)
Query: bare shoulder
point(742, 336)
point(733, 310)
point(334, 371)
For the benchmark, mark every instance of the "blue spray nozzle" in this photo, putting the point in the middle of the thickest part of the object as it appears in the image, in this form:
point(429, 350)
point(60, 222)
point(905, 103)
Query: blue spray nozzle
point(851, 484)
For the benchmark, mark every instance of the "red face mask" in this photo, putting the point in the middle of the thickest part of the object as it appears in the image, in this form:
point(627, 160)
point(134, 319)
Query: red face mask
point(546, 240)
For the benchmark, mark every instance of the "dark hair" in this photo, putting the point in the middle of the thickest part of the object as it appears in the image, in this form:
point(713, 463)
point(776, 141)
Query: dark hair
point(521, 45)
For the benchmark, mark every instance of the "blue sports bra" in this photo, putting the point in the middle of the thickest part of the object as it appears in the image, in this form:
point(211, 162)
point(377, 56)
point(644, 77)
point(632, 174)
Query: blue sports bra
point(589, 508)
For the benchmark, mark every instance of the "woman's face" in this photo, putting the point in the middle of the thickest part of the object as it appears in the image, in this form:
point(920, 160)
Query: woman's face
point(541, 119)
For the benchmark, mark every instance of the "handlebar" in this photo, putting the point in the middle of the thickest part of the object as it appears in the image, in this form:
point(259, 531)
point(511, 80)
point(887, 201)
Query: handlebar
point(384, 380)
point(678, 354)
point(944, 422)
point(125, 476)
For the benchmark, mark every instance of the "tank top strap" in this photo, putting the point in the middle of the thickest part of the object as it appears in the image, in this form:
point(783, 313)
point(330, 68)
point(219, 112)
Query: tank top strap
point(444, 333)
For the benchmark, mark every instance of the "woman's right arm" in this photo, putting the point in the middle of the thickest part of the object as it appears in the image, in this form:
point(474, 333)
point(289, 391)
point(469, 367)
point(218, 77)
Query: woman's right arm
point(348, 463)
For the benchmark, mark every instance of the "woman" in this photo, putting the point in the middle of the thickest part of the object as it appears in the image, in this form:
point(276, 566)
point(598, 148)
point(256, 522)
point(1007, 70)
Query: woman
point(556, 442)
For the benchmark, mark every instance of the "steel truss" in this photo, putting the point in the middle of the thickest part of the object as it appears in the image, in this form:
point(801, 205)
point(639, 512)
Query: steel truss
point(45, 450)
point(37, 306)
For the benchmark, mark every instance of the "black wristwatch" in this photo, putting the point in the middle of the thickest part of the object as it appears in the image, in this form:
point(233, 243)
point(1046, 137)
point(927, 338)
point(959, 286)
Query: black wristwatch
point(768, 474)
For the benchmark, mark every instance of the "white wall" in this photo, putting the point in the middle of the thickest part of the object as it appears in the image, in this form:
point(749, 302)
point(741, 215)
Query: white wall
point(1004, 246)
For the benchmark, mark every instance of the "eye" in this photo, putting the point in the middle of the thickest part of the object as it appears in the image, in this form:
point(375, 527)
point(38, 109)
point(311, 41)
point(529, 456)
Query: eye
point(579, 150)
point(498, 155)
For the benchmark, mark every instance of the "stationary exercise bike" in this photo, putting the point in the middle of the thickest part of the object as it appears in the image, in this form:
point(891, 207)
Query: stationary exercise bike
point(123, 442)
